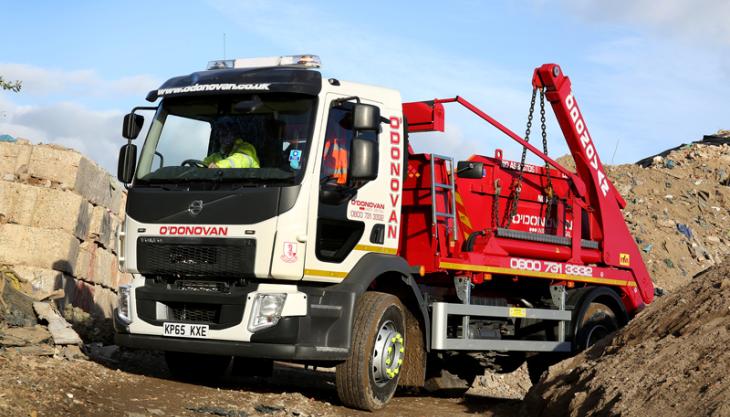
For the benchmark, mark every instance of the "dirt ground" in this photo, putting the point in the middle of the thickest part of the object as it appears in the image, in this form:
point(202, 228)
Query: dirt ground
point(137, 384)
point(671, 360)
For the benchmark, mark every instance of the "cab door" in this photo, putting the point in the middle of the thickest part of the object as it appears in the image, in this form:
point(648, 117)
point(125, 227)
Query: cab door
point(348, 217)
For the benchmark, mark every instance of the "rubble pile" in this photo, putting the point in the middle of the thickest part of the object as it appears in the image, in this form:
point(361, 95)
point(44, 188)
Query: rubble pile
point(671, 360)
point(58, 217)
point(678, 210)
point(30, 323)
point(513, 385)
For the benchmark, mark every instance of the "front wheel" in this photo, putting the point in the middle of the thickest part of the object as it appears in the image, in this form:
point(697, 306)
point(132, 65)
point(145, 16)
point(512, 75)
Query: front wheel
point(369, 377)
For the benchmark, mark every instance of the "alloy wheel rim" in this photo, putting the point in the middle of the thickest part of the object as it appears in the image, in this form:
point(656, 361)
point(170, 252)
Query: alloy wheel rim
point(388, 353)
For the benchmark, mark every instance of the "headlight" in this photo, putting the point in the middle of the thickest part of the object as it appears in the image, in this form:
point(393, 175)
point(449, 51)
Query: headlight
point(266, 311)
point(124, 303)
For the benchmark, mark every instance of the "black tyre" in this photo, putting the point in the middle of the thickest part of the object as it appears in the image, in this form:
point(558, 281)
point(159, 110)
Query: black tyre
point(597, 322)
point(195, 366)
point(369, 377)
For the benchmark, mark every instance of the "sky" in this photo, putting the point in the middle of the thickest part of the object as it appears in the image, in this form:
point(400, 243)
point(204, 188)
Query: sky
point(647, 75)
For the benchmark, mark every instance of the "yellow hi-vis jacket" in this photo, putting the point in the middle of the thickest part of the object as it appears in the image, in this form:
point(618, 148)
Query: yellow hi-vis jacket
point(243, 155)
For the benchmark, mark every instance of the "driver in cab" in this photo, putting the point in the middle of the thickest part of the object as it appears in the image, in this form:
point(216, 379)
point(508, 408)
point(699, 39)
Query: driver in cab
point(234, 151)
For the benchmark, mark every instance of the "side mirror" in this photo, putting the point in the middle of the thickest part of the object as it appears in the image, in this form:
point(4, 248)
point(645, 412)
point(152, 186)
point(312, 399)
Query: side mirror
point(469, 169)
point(127, 163)
point(365, 117)
point(363, 159)
point(132, 125)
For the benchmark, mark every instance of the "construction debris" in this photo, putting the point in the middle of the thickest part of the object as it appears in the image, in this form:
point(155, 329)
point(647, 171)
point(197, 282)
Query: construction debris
point(24, 336)
point(722, 137)
point(678, 213)
point(61, 331)
point(688, 232)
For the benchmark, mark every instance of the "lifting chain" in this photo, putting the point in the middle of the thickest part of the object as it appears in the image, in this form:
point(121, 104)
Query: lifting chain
point(495, 202)
point(549, 191)
point(517, 185)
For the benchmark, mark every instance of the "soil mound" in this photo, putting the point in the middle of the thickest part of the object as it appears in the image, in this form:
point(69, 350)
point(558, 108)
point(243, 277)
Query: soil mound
point(671, 360)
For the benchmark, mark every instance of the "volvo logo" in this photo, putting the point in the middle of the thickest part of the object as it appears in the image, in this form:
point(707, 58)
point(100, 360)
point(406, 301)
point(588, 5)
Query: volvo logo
point(195, 207)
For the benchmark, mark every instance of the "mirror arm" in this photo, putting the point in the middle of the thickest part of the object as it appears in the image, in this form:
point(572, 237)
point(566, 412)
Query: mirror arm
point(336, 102)
point(144, 108)
point(162, 158)
point(130, 119)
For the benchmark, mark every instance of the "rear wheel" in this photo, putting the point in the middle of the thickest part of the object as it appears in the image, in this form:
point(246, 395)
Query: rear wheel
point(196, 366)
point(368, 378)
point(597, 322)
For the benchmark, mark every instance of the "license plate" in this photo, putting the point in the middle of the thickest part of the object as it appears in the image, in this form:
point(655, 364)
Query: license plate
point(185, 330)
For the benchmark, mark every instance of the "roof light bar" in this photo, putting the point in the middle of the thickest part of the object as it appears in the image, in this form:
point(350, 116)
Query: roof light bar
point(295, 61)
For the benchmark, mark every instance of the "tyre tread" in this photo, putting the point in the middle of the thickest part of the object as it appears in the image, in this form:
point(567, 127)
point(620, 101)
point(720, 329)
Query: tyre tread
point(350, 374)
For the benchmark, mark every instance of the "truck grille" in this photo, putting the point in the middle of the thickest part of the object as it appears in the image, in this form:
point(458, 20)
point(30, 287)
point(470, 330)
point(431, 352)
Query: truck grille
point(194, 313)
point(204, 286)
point(195, 256)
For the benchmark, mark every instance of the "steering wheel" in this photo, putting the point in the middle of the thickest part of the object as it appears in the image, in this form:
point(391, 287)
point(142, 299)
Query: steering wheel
point(193, 163)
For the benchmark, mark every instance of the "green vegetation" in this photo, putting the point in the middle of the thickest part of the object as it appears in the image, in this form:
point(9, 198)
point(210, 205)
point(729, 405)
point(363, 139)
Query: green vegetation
point(12, 86)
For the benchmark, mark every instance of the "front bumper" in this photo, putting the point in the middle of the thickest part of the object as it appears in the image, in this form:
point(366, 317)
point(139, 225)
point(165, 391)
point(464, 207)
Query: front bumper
point(323, 334)
point(276, 351)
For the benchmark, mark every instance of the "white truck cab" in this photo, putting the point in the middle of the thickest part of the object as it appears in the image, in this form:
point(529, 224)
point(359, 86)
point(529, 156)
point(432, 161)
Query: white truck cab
point(260, 261)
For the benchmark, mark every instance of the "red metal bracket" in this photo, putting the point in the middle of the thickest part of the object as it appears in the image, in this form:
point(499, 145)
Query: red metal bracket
point(424, 116)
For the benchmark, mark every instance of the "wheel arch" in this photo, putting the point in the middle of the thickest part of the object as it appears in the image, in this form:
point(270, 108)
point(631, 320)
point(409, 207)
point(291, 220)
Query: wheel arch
point(581, 299)
point(390, 274)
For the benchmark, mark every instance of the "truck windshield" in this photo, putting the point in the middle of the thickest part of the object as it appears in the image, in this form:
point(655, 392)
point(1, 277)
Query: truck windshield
point(248, 140)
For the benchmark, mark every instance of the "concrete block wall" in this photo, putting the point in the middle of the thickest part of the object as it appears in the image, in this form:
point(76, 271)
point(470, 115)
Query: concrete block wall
point(58, 217)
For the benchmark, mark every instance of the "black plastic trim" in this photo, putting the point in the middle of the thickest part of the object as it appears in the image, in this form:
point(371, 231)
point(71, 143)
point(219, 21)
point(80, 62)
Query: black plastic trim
point(156, 205)
point(271, 79)
point(221, 347)
point(231, 305)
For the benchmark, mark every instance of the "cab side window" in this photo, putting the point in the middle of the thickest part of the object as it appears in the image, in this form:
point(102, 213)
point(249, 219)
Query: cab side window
point(337, 143)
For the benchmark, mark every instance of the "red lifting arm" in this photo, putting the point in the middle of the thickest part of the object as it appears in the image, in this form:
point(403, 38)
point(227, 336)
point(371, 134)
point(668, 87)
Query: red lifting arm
point(619, 248)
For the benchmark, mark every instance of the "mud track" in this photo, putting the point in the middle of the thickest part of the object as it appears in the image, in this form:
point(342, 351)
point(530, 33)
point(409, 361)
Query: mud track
point(139, 385)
